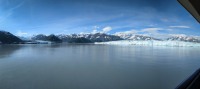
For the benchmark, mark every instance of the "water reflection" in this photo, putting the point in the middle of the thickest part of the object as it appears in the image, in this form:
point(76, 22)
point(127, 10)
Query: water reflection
point(7, 50)
point(88, 66)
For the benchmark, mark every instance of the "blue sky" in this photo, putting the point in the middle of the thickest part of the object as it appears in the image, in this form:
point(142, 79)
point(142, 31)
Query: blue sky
point(28, 17)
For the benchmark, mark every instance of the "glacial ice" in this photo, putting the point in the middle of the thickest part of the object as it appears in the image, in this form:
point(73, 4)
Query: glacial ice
point(152, 43)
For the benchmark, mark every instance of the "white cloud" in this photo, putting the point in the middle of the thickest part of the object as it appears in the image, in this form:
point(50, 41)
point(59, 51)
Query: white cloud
point(94, 31)
point(151, 30)
point(183, 35)
point(152, 25)
point(127, 32)
point(146, 30)
point(165, 20)
point(154, 32)
point(20, 33)
point(96, 27)
point(18, 5)
point(106, 29)
point(179, 26)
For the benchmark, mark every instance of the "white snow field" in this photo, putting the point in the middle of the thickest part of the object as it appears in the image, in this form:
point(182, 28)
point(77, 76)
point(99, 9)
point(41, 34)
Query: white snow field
point(152, 43)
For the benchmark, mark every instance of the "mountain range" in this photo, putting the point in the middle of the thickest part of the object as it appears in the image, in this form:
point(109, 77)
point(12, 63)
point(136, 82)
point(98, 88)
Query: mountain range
point(8, 38)
point(42, 37)
point(97, 37)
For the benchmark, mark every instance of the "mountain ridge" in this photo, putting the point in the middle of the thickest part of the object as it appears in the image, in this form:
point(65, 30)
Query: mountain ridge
point(8, 38)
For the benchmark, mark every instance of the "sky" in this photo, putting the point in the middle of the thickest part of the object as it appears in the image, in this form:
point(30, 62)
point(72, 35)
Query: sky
point(158, 17)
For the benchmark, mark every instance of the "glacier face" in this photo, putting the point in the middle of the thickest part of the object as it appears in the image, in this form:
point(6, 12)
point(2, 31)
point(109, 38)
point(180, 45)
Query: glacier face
point(152, 43)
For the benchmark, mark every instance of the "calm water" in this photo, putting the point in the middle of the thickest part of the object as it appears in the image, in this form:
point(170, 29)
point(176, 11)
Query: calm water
point(95, 66)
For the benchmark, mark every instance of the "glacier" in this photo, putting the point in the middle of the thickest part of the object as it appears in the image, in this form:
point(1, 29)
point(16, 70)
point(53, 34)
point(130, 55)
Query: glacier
point(152, 43)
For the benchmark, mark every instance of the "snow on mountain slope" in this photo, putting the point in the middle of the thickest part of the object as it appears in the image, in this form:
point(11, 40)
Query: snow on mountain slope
point(97, 37)
point(183, 38)
point(133, 36)
point(172, 37)
point(142, 40)
point(130, 36)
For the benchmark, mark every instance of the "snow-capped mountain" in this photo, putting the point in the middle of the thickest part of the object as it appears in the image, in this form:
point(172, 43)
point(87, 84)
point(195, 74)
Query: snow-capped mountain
point(42, 37)
point(39, 37)
point(135, 37)
point(173, 40)
point(124, 35)
point(6, 37)
point(128, 36)
point(102, 37)
point(71, 37)
point(183, 38)
point(141, 37)
point(98, 37)
point(74, 38)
